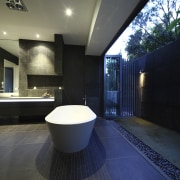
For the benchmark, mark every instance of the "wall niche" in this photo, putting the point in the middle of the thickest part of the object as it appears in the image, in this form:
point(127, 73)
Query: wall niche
point(44, 81)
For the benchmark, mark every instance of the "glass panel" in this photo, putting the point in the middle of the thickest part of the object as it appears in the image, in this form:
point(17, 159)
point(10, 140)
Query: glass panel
point(112, 86)
point(8, 79)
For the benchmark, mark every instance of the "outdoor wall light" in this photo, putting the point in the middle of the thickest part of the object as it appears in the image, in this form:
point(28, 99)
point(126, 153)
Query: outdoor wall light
point(141, 71)
point(142, 79)
point(16, 5)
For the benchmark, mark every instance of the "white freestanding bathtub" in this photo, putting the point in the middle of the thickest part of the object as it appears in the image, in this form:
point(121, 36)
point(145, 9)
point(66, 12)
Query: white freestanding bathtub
point(70, 127)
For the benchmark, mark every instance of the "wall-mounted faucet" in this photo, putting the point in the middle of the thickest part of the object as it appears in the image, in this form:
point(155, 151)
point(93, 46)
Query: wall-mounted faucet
point(84, 99)
point(2, 85)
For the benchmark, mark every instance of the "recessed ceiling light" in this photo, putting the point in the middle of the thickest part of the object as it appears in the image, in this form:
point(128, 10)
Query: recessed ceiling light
point(68, 12)
point(4, 32)
point(37, 35)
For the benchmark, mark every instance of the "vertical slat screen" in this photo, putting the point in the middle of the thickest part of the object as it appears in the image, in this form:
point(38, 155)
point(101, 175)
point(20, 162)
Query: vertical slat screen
point(129, 88)
point(121, 100)
point(112, 86)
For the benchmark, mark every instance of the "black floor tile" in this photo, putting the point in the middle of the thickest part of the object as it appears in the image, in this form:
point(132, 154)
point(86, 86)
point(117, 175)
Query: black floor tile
point(35, 137)
point(21, 157)
point(100, 122)
point(106, 131)
point(20, 175)
point(132, 168)
point(81, 165)
point(42, 126)
point(117, 147)
point(108, 156)
point(11, 138)
point(4, 150)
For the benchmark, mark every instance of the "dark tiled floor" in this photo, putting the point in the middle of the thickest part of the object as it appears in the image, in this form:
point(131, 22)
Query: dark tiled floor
point(162, 140)
point(27, 153)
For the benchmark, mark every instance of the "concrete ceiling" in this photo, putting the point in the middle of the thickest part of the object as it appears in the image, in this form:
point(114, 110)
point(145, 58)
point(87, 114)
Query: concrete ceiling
point(94, 23)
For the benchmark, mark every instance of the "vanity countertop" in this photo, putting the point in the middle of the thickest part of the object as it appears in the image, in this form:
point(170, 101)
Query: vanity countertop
point(27, 99)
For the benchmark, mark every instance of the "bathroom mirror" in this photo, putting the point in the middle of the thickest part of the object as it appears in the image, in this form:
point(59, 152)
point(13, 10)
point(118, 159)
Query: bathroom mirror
point(9, 69)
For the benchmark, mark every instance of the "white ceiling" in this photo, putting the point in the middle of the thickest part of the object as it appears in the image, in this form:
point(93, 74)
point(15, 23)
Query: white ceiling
point(94, 23)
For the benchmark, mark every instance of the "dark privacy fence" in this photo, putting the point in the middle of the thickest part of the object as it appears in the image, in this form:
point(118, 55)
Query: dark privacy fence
point(151, 87)
point(130, 86)
point(121, 89)
point(160, 102)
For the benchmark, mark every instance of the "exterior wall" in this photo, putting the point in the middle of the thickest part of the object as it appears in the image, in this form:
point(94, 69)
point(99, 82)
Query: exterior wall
point(82, 77)
point(159, 86)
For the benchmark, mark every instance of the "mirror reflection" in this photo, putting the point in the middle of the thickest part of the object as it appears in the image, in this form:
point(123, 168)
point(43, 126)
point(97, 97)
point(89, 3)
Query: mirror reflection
point(9, 69)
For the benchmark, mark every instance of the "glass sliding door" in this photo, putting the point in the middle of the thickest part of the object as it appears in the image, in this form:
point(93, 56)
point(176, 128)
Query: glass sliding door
point(112, 86)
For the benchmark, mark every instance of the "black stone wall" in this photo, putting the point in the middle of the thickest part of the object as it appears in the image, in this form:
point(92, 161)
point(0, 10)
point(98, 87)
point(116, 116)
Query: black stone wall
point(83, 76)
point(160, 90)
point(73, 80)
point(94, 83)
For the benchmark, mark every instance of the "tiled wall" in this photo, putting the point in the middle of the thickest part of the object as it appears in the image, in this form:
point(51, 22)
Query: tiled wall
point(160, 92)
point(35, 58)
point(81, 74)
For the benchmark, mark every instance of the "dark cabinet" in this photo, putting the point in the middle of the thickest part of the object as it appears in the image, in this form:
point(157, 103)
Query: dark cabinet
point(30, 107)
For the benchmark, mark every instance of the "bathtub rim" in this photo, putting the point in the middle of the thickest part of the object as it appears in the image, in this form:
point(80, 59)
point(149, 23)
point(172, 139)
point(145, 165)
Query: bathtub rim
point(93, 117)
